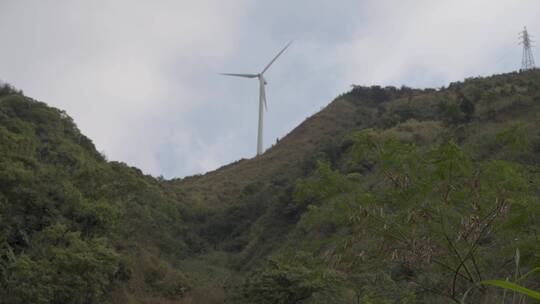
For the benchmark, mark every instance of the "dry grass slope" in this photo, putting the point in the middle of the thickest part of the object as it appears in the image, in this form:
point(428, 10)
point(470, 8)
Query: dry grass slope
point(215, 188)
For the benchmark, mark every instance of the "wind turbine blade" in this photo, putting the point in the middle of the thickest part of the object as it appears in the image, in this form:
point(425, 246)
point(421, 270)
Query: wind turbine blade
point(262, 94)
point(240, 75)
point(281, 52)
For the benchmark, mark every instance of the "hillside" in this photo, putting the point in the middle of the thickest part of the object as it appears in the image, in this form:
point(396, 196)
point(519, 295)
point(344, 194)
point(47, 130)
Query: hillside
point(290, 152)
point(324, 130)
point(388, 195)
point(74, 227)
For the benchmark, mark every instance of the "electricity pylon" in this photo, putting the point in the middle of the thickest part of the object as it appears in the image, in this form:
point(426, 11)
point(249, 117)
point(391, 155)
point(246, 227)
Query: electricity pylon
point(527, 61)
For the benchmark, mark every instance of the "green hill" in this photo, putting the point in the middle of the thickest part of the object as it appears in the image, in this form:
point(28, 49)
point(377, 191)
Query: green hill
point(388, 195)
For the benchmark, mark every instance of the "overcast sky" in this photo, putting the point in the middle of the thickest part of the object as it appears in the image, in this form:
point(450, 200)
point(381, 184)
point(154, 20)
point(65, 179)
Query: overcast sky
point(140, 78)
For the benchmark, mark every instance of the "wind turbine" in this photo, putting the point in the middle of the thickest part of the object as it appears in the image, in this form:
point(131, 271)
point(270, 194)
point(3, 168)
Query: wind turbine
point(262, 96)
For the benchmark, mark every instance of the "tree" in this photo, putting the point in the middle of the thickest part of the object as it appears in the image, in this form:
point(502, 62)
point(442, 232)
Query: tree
point(60, 268)
point(436, 219)
point(289, 279)
point(467, 107)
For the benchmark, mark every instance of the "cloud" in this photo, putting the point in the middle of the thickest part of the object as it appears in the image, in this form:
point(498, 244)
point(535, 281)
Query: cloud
point(428, 43)
point(121, 68)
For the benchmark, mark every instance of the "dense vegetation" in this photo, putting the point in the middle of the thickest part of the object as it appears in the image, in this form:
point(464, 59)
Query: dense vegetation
point(74, 227)
point(388, 195)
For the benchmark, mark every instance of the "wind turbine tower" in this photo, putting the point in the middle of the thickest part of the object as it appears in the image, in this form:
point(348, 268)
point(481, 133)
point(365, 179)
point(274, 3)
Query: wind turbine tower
point(262, 96)
point(527, 61)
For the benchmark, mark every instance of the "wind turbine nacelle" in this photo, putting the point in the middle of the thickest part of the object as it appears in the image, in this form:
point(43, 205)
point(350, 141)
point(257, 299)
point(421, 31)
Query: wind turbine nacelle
point(262, 79)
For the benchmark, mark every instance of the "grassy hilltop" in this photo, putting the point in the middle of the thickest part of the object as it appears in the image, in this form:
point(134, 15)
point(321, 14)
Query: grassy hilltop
point(388, 195)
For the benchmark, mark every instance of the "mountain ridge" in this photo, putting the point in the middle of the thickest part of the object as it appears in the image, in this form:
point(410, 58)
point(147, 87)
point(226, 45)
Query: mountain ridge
point(280, 152)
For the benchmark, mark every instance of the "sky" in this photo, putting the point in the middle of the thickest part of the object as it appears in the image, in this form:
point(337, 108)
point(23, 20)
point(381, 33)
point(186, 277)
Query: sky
point(141, 78)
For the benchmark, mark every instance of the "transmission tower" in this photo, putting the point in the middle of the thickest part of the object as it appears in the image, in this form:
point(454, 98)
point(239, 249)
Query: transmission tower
point(527, 61)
